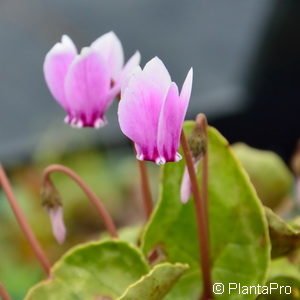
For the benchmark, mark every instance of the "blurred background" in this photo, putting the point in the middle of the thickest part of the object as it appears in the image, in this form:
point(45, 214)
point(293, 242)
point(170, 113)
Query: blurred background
point(246, 60)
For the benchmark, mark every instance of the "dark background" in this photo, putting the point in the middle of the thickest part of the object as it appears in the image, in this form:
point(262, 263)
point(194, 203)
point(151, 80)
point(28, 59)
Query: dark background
point(272, 119)
point(245, 54)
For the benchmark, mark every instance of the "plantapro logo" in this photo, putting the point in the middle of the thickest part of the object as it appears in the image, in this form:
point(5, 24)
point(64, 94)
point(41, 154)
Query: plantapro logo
point(237, 288)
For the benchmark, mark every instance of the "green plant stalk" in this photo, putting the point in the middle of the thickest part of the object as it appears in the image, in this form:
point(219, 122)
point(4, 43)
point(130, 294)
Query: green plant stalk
point(201, 221)
point(145, 187)
point(36, 247)
point(147, 200)
point(201, 121)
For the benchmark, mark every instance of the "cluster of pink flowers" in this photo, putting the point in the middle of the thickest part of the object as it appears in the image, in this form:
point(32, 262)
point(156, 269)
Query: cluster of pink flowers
point(151, 109)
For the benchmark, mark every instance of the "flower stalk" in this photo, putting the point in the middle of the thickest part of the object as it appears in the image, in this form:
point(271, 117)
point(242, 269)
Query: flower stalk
point(36, 247)
point(201, 220)
point(94, 199)
point(201, 123)
point(3, 293)
point(147, 199)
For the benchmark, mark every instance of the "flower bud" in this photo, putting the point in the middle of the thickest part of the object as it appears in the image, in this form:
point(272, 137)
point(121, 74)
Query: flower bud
point(198, 145)
point(53, 205)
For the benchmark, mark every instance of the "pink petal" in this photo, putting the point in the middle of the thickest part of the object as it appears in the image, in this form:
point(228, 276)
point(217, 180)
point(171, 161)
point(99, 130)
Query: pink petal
point(170, 125)
point(186, 89)
point(171, 119)
point(87, 89)
point(57, 223)
point(131, 64)
point(110, 48)
point(186, 187)
point(156, 72)
point(127, 78)
point(140, 107)
point(56, 66)
point(122, 80)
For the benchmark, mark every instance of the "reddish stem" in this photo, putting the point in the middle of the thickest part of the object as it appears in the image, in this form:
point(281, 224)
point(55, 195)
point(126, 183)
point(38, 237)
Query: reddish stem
point(148, 205)
point(202, 226)
point(147, 199)
point(201, 121)
point(3, 293)
point(95, 201)
point(37, 249)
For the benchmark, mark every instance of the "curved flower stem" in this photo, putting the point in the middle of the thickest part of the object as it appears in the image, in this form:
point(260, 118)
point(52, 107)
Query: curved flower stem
point(202, 226)
point(37, 249)
point(148, 205)
point(95, 201)
point(3, 293)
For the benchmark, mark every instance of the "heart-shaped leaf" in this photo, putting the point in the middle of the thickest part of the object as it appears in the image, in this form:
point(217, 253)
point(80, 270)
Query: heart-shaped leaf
point(105, 271)
point(240, 248)
point(97, 270)
point(156, 284)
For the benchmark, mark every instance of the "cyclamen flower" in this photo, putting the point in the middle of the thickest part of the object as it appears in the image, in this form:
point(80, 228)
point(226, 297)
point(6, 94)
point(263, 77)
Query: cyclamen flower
point(151, 112)
point(85, 84)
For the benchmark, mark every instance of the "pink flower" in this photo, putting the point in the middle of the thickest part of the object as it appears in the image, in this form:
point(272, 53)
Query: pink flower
point(85, 84)
point(151, 111)
point(57, 223)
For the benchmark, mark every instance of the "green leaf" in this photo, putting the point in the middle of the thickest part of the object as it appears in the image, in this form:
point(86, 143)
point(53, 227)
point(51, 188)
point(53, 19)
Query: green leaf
point(271, 177)
point(156, 284)
point(284, 238)
point(130, 234)
point(283, 267)
point(98, 269)
point(238, 231)
point(284, 273)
